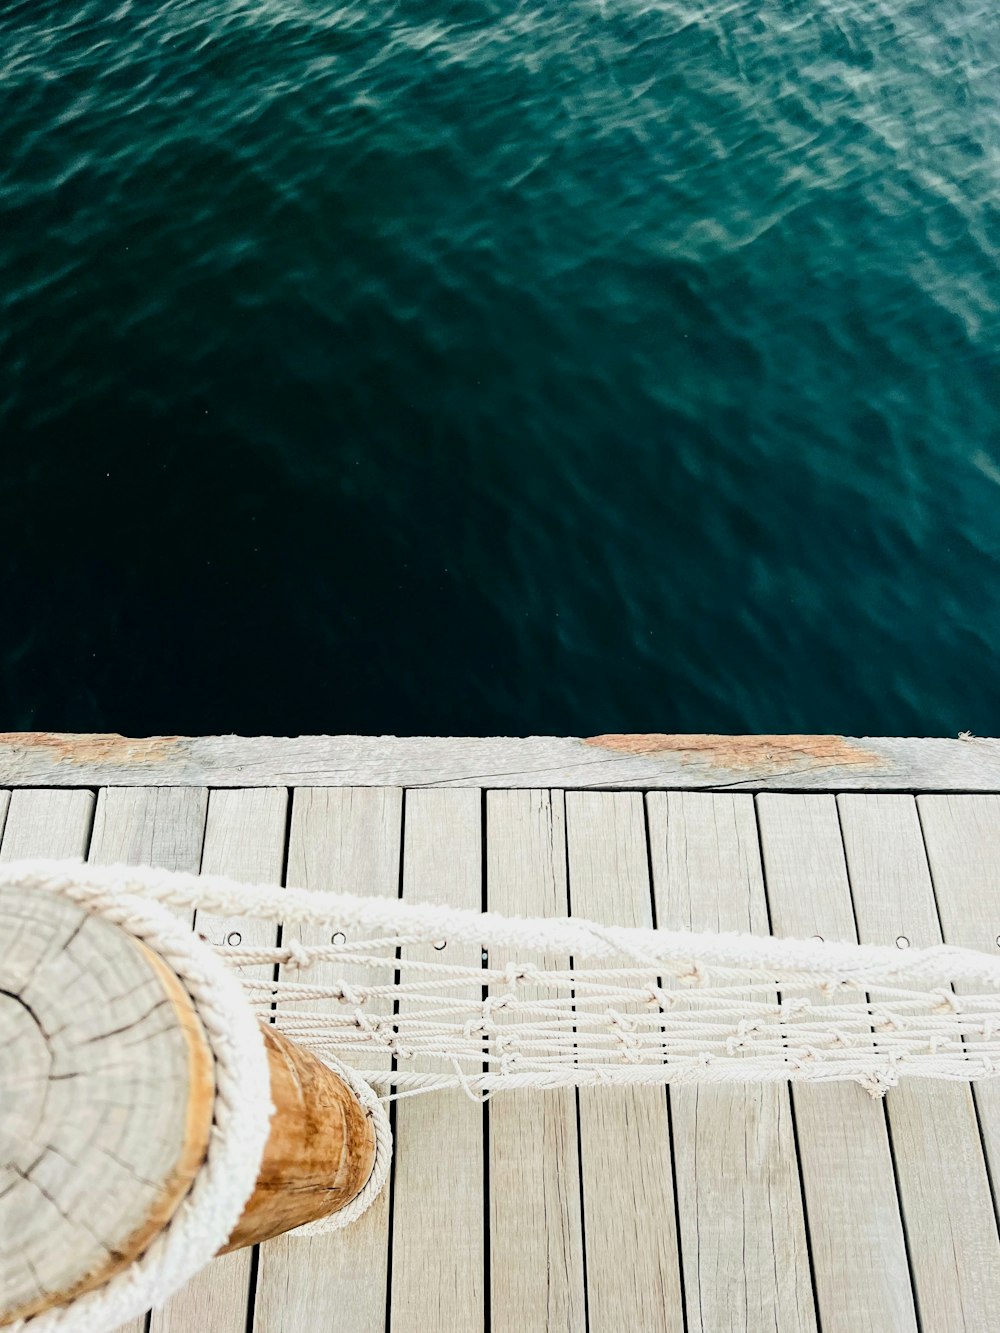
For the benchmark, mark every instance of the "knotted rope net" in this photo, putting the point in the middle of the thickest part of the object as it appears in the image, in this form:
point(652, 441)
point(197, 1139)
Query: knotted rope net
point(416, 998)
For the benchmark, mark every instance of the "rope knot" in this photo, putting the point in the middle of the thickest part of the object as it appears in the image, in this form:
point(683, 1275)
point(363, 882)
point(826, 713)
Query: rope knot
point(493, 1002)
point(298, 955)
point(805, 1056)
point(518, 972)
point(741, 1039)
point(879, 1081)
point(693, 976)
point(839, 983)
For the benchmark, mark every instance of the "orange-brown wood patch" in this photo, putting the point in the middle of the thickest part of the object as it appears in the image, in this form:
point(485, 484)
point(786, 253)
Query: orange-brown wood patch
point(320, 1151)
point(760, 754)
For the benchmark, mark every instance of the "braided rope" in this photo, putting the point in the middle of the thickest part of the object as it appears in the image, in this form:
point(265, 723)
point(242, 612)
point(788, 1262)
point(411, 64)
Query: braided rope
point(652, 1007)
point(390, 919)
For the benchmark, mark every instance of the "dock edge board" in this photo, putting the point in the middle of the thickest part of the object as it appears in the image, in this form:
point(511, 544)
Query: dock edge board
point(616, 761)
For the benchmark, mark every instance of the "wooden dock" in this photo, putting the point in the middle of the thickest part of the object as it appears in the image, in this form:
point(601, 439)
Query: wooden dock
point(724, 1208)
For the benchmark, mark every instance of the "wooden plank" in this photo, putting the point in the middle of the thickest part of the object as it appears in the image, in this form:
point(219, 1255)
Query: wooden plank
point(46, 823)
point(158, 826)
point(943, 1184)
point(633, 1269)
point(775, 763)
point(536, 1226)
point(438, 1242)
point(743, 1237)
point(346, 840)
point(963, 847)
point(244, 839)
point(962, 836)
point(161, 826)
point(856, 1235)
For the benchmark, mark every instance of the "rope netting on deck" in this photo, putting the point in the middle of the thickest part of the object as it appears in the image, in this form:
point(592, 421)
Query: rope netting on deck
point(405, 999)
point(420, 997)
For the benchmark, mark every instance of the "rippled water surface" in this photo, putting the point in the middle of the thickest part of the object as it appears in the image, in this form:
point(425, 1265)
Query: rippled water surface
point(500, 365)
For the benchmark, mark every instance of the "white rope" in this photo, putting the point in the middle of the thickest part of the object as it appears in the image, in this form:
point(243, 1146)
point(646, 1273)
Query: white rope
point(410, 998)
point(204, 1220)
point(383, 1156)
point(574, 1003)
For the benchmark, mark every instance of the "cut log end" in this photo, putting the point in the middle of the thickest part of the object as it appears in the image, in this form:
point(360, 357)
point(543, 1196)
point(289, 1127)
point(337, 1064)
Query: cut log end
point(106, 1101)
point(106, 1094)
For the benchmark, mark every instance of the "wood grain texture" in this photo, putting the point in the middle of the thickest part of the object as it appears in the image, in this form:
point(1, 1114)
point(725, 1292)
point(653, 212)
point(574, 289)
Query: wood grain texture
point(962, 835)
point(319, 1153)
point(347, 840)
point(244, 837)
point(536, 1224)
point(153, 826)
point(943, 1184)
point(160, 826)
point(244, 840)
point(855, 1231)
point(780, 763)
point(350, 840)
point(108, 1095)
point(46, 823)
point(962, 838)
point(633, 1269)
point(438, 1241)
point(737, 1178)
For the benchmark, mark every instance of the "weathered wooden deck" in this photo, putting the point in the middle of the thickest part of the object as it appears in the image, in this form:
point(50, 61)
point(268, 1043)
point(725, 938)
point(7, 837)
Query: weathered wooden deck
point(614, 1209)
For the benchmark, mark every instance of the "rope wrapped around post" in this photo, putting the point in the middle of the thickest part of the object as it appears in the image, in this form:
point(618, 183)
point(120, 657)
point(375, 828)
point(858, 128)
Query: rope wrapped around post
point(581, 1004)
point(148, 1120)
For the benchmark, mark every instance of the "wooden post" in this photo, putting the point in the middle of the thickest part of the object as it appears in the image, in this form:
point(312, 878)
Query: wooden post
point(319, 1153)
point(106, 1101)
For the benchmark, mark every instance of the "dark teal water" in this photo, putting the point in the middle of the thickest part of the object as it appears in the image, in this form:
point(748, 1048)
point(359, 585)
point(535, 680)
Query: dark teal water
point(500, 365)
